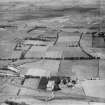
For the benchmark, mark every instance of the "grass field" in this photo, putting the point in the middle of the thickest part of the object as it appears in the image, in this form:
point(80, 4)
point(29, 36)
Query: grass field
point(85, 69)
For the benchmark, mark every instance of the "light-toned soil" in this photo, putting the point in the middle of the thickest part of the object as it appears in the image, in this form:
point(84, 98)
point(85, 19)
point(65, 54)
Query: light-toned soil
point(94, 88)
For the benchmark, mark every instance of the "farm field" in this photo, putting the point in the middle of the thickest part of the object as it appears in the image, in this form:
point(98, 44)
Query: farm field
point(61, 41)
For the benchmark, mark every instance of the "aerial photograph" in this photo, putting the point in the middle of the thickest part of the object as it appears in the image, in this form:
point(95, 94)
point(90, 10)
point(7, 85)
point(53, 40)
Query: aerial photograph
point(52, 52)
